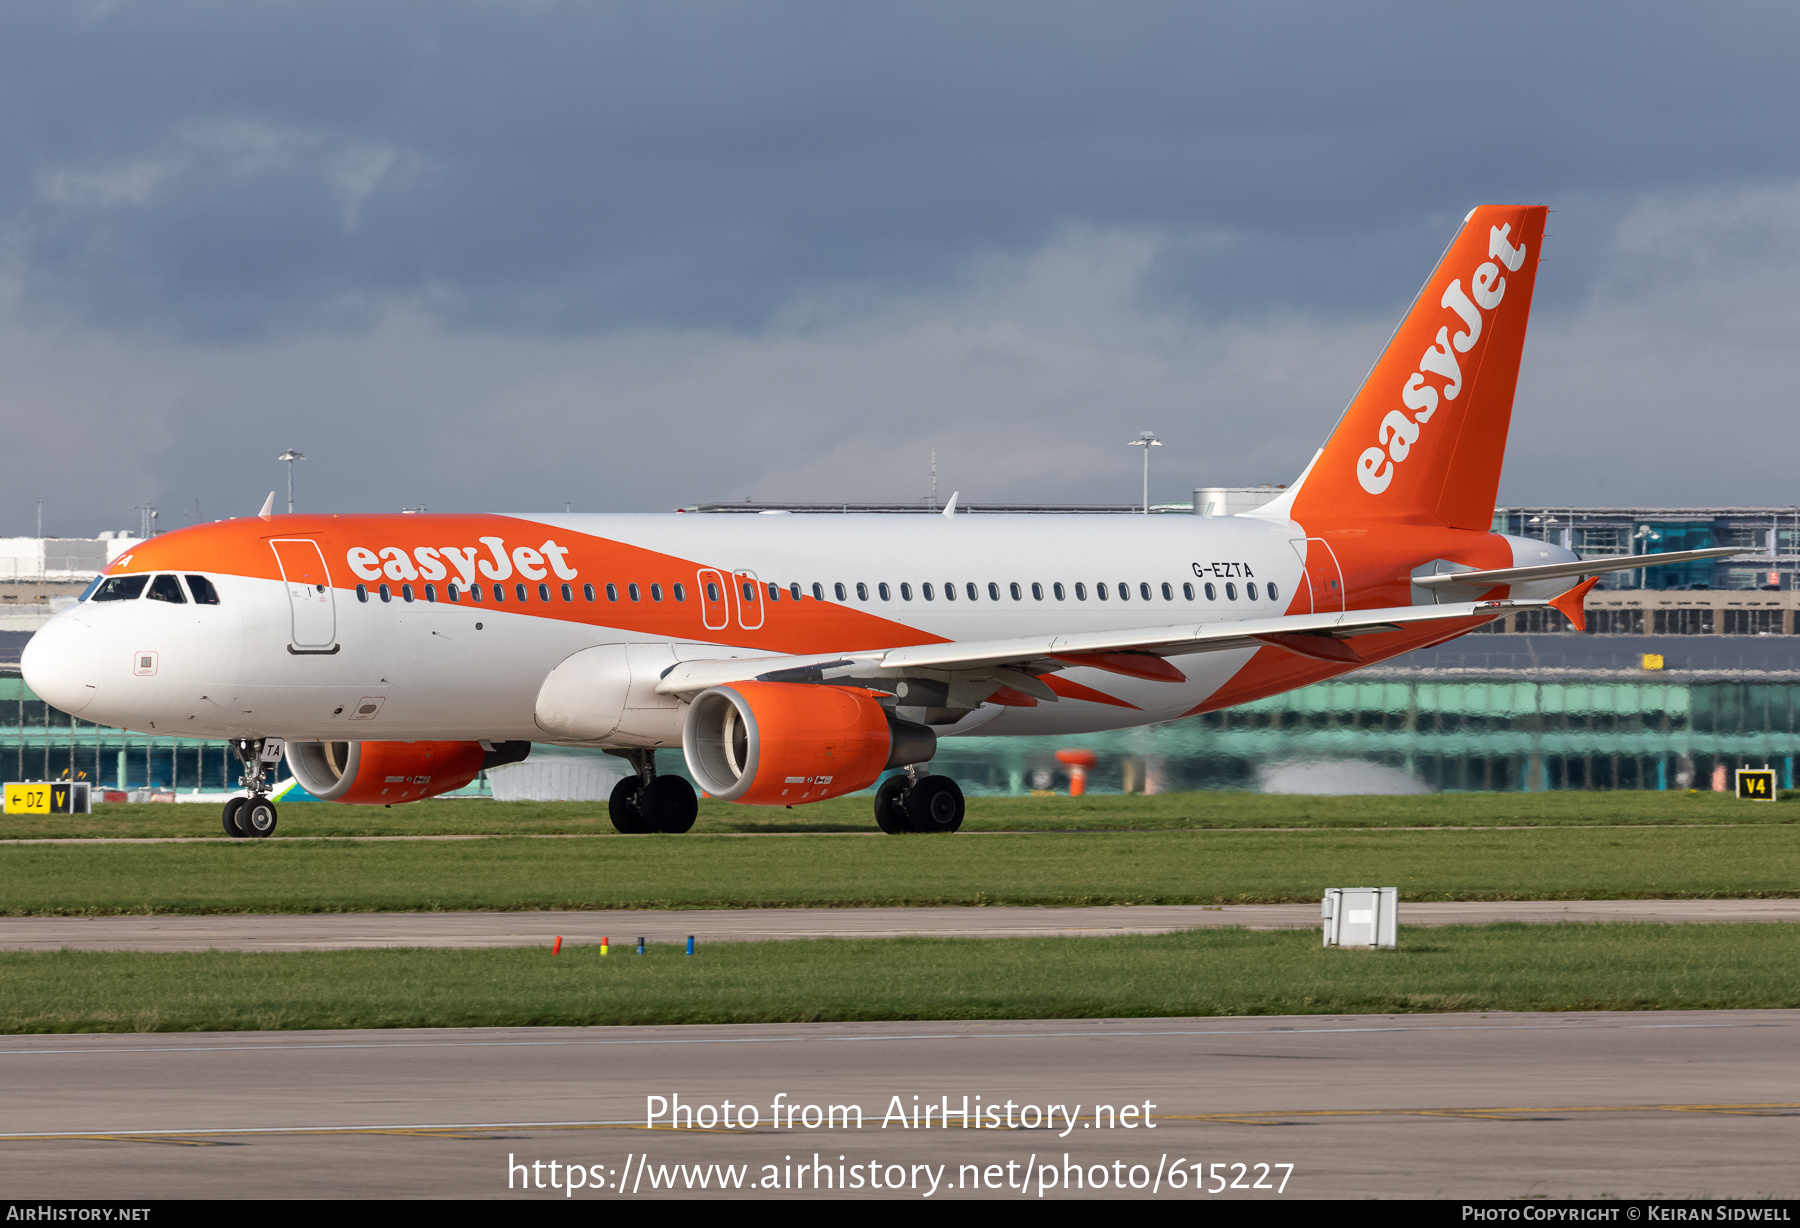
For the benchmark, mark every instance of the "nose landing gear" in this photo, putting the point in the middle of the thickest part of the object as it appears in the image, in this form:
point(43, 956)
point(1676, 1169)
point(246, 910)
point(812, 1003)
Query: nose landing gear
point(645, 802)
point(253, 817)
point(916, 802)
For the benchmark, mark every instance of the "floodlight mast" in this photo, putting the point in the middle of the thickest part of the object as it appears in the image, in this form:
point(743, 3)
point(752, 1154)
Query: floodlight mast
point(290, 456)
point(1146, 440)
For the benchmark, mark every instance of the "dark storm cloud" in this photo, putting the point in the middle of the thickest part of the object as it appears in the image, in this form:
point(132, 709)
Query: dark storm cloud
point(493, 256)
point(221, 171)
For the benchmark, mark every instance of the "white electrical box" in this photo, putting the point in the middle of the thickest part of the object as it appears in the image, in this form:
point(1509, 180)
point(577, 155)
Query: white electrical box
point(1367, 917)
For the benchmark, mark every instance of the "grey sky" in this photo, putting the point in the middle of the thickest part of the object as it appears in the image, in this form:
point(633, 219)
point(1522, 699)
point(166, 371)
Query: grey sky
point(502, 255)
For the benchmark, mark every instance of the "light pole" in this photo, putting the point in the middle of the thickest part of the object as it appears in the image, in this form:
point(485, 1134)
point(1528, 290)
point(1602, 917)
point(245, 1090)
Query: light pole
point(290, 456)
point(1146, 440)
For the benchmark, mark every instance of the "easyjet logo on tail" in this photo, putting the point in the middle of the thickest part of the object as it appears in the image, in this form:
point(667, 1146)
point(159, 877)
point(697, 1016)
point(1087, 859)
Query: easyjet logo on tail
point(434, 563)
point(1398, 432)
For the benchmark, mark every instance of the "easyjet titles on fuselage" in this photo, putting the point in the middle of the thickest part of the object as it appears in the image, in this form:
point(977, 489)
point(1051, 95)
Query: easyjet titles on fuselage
point(434, 563)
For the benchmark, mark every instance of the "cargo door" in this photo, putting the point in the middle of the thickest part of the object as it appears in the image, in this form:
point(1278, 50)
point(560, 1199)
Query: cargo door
point(309, 593)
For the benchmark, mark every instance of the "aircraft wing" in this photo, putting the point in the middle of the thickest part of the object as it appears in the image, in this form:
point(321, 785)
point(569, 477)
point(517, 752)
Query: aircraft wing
point(1320, 636)
point(1556, 571)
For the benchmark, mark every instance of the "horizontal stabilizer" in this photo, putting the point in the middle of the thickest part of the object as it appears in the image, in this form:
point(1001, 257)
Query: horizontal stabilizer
point(1555, 571)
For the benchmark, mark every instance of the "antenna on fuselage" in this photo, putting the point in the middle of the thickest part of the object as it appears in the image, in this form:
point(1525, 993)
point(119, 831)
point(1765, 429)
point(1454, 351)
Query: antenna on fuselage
point(268, 507)
point(950, 507)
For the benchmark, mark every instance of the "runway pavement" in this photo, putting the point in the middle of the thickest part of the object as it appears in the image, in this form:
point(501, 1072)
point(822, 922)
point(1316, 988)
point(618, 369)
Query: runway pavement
point(1673, 1104)
point(340, 931)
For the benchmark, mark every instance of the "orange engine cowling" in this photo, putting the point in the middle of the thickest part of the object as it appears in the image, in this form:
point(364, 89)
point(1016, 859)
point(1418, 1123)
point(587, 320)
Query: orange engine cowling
point(782, 743)
point(383, 773)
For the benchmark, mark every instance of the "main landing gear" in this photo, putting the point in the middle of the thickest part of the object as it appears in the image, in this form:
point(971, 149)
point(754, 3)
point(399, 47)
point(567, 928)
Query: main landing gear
point(253, 817)
point(645, 802)
point(917, 802)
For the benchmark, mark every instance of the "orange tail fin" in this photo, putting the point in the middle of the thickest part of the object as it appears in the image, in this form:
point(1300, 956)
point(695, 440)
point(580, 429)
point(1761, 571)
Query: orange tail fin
point(1423, 439)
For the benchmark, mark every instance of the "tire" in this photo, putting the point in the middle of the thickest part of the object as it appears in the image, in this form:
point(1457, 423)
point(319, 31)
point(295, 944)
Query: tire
point(257, 817)
point(669, 804)
point(232, 808)
point(935, 804)
point(623, 807)
point(890, 805)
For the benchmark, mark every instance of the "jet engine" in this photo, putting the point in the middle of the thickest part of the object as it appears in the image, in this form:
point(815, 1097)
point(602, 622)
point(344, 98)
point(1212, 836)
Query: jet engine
point(782, 743)
point(382, 773)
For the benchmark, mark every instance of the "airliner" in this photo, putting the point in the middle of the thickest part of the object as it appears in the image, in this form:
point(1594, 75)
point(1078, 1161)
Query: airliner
point(794, 658)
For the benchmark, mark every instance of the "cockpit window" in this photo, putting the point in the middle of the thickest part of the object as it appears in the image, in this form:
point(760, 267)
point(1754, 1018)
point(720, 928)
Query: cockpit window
point(204, 592)
point(89, 590)
point(120, 588)
point(167, 588)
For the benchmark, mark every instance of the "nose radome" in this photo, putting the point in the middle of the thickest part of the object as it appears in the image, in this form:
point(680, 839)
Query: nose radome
point(58, 663)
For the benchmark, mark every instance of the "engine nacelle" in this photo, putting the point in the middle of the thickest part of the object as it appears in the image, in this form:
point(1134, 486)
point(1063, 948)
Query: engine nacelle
point(782, 743)
point(383, 773)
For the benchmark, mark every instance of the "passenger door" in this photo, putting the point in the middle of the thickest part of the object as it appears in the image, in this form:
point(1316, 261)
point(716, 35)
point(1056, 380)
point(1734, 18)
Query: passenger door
point(308, 585)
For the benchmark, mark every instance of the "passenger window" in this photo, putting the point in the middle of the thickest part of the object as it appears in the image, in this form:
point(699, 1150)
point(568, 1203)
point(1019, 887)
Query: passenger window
point(680, 593)
point(1100, 591)
point(712, 591)
point(450, 591)
point(1168, 592)
point(656, 592)
point(794, 590)
point(519, 592)
point(568, 593)
point(862, 591)
point(587, 590)
point(774, 592)
point(1037, 591)
point(499, 593)
point(431, 593)
point(975, 593)
point(475, 592)
point(925, 591)
point(1250, 590)
point(886, 594)
point(843, 594)
point(950, 591)
point(1124, 591)
point(543, 592)
point(1187, 590)
point(204, 592)
point(905, 592)
point(362, 592)
point(1144, 591)
point(1080, 592)
point(1018, 594)
point(1231, 592)
point(635, 593)
point(612, 592)
point(749, 593)
point(1273, 595)
point(386, 594)
point(406, 593)
point(1212, 594)
point(818, 591)
point(167, 588)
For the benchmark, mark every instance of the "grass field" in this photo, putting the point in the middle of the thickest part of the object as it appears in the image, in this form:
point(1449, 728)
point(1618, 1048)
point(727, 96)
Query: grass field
point(1217, 972)
point(714, 871)
point(1164, 811)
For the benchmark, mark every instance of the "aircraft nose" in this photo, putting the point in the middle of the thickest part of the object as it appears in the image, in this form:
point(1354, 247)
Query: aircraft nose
point(59, 663)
